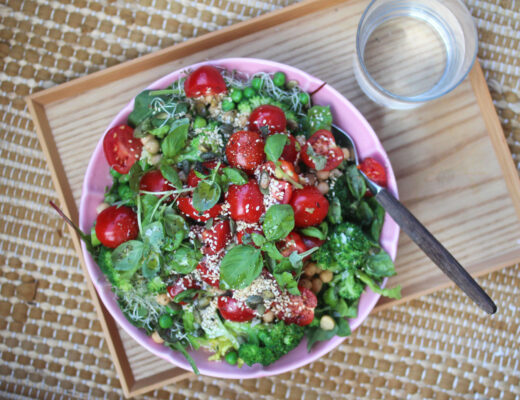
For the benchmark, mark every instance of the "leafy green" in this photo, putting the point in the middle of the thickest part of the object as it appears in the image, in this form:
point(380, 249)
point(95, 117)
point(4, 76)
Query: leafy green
point(235, 176)
point(274, 145)
point(316, 232)
point(176, 139)
point(184, 260)
point(240, 266)
point(175, 226)
point(170, 174)
point(205, 195)
point(127, 255)
point(152, 265)
point(142, 108)
point(153, 235)
point(379, 265)
point(394, 293)
point(278, 221)
point(356, 183)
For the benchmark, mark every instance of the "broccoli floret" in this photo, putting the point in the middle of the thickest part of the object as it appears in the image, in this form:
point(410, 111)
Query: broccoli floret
point(267, 343)
point(257, 101)
point(117, 279)
point(346, 247)
point(244, 107)
point(156, 285)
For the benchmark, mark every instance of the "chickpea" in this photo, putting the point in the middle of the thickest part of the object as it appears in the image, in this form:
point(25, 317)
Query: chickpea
point(316, 285)
point(310, 269)
point(335, 173)
point(307, 284)
point(162, 299)
point(156, 338)
point(327, 323)
point(323, 175)
point(268, 317)
point(101, 207)
point(323, 187)
point(155, 159)
point(151, 145)
point(346, 153)
point(326, 276)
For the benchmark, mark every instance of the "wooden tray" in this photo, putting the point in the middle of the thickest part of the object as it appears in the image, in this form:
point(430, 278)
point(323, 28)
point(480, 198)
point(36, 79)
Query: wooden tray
point(452, 163)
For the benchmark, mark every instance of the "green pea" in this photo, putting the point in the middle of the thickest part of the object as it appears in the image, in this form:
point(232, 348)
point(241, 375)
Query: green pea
point(228, 105)
point(249, 92)
point(236, 95)
point(257, 83)
point(199, 122)
point(165, 321)
point(304, 98)
point(231, 357)
point(114, 173)
point(330, 297)
point(279, 79)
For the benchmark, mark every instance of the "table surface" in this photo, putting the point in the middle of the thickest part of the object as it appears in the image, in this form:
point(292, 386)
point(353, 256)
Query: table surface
point(438, 346)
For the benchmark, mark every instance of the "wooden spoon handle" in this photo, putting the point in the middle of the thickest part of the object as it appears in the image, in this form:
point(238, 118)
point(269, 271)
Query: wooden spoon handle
point(435, 250)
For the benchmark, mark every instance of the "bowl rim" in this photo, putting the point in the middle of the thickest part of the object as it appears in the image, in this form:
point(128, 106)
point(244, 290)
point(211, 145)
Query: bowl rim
point(108, 298)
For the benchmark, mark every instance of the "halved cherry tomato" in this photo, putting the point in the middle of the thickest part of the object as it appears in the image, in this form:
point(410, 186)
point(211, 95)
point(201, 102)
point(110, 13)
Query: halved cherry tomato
point(233, 310)
point(310, 206)
point(204, 81)
point(323, 145)
point(116, 225)
point(246, 202)
point(245, 150)
point(121, 149)
point(300, 309)
point(153, 181)
point(311, 242)
point(374, 170)
point(247, 231)
point(212, 277)
point(267, 116)
point(281, 191)
point(193, 180)
point(186, 207)
point(180, 285)
point(293, 242)
point(216, 238)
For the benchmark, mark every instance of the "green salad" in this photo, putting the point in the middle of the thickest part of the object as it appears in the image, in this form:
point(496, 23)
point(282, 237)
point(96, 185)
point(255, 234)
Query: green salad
point(234, 222)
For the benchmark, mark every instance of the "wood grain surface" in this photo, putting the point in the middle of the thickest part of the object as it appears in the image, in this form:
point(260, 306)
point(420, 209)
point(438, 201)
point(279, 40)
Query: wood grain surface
point(449, 165)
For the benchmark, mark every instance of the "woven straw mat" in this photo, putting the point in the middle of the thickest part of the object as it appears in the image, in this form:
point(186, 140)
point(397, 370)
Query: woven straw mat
point(51, 344)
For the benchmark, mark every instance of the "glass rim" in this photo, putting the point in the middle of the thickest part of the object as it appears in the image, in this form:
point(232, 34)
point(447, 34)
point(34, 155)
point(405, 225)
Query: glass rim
point(414, 99)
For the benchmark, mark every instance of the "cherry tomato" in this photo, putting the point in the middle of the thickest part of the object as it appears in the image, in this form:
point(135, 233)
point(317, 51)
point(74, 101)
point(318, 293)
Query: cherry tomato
point(250, 230)
point(290, 150)
point(186, 207)
point(323, 144)
point(122, 150)
point(281, 191)
point(216, 237)
point(268, 116)
point(116, 225)
point(245, 150)
point(180, 285)
point(246, 202)
point(204, 81)
point(212, 277)
point(193, 180)
point(293, 242)
point(233, 310)
point(153, 181)
point(310, 206)
point(300, 309)
point(311, 242)
point(374, 170)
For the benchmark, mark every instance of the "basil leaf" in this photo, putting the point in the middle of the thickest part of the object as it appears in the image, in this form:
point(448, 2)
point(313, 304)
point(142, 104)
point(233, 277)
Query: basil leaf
point(135, 174)
point(170, 174)
point(318, 233)
point(148, 203)
point(187, 295)
point(184, 260)
point(286, 281)
point(394, 293)
point(258, 239)
point(334, 215)
point(127, 255)
point(153, 235)
point(379, 219)
point(320, 117)
point(319, 160)
point(173, 224)
point(379, 265)
point(240, 266)
point(176, 139)
point(319, 335)
point(278, 221)
point(143, 128)
point(364, 214)
point(188, 320)
point(272, 251)
point(356, 182)
point(160, 132)
point(205, 195)
point(142, 108)
point(343, 327)
point(274, 146)
point(235, 176)
point(152, 265)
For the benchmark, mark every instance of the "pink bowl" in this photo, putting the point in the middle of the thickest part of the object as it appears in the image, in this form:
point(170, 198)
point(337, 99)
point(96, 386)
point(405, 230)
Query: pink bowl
point(346, 116)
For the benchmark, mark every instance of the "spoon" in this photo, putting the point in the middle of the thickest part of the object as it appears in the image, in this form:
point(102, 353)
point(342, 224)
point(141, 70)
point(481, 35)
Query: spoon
point(420, 235)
